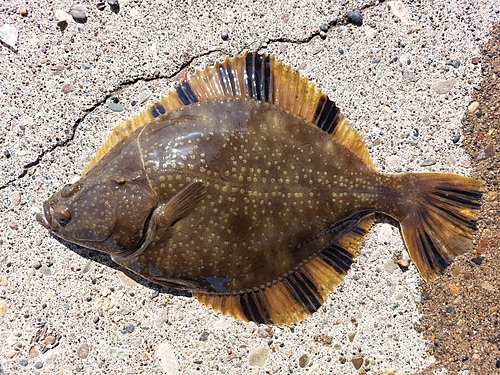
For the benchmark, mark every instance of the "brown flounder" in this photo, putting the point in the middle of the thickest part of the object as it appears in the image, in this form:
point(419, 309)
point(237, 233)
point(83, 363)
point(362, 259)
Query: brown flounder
point(246, 186)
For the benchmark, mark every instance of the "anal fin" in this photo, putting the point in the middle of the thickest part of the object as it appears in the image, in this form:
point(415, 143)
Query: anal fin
point(299, 294)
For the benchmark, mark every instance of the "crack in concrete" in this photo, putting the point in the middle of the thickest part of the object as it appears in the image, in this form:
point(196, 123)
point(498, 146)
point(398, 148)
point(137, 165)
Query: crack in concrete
point(87, 111)
point(307, 39)
point(187, 63)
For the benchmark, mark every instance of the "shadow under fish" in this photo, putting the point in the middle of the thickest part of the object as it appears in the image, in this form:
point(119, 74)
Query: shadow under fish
point(246, 186)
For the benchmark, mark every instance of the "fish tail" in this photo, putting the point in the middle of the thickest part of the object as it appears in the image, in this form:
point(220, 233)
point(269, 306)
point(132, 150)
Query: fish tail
point(438, 222)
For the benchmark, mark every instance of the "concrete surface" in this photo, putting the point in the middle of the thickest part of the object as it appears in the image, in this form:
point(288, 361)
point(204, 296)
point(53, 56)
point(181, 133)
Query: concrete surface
point(403, 78)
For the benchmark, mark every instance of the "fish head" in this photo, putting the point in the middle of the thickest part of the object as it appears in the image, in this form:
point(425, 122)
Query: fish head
point(108, 214)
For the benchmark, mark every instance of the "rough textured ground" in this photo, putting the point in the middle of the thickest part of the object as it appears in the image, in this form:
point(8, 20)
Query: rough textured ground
point(405, 79)
point(461, 309)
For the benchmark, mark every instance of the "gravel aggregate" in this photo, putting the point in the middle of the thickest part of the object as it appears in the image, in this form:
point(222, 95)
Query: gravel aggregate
point(58, 82)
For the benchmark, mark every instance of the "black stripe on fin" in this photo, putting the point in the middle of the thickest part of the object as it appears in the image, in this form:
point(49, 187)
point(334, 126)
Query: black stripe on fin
point(337, 257)
point(432, 253)
point(260, 82)
point(157, 109)
point(359, 231)
point(268, 94)
point(250, 309)
point(258, 74)
point(475, 195)
point(250, 75)
point(230, 74)
point(245, 308)
point(473, 225)
point(160, 108)
point(310, 288)
point(464, 199)
point(311, 304)
point(327, 118)
point(226, 80)
point(154, 112)
point(185, 93)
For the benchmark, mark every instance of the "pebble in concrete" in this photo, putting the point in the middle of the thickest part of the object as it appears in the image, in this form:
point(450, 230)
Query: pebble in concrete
point(258, 356)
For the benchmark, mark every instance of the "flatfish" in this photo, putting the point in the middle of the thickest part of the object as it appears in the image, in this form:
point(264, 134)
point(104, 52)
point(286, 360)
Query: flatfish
point(247, 186)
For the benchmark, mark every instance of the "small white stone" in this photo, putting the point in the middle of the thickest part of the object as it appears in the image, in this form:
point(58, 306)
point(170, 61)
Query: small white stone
point(487, 286)
point(385, 232)
point(312, 369)
point(258, 356)
point(33, 41)
point(3, 308)
point(443, 87)
point(392, 160)
point(11, 340)
point(138, 341)
point(9, 34)
point(390, 266)
point(374, 256)
point(143, 96)
point(78, 12)
point(401, 11)
point(134, 13)
point(399, 295)
point(370, 32)
point(166, 357)
point(127, 281)
point(118, 353)
point(50, 357)
point(62, 16)
point(472, 108)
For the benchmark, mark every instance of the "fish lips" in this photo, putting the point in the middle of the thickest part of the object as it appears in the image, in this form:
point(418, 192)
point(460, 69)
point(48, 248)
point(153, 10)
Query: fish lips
point(46, 218)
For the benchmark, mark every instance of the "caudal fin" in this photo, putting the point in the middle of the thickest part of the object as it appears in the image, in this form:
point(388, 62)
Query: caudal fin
point(440, 225)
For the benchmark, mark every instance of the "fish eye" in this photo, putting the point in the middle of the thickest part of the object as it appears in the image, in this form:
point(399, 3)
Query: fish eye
point(69, 189)
point(62, 214)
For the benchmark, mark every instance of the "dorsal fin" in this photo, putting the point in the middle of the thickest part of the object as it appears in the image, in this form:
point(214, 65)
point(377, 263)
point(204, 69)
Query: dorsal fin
point(300, 293)
point(250, 75)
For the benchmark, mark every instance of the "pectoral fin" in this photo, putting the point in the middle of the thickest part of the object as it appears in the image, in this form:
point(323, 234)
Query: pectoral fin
point(180, 205)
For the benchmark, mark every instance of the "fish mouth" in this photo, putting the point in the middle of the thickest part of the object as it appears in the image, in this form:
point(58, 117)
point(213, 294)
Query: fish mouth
point(42, 220)
point(45, 218)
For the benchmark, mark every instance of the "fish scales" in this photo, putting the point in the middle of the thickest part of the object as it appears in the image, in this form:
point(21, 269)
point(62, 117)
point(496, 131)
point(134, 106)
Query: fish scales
point(248, 187)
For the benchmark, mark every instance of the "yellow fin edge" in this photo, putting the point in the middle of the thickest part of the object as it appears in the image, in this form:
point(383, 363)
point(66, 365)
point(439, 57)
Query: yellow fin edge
point(250, 75)
point(302, 292)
